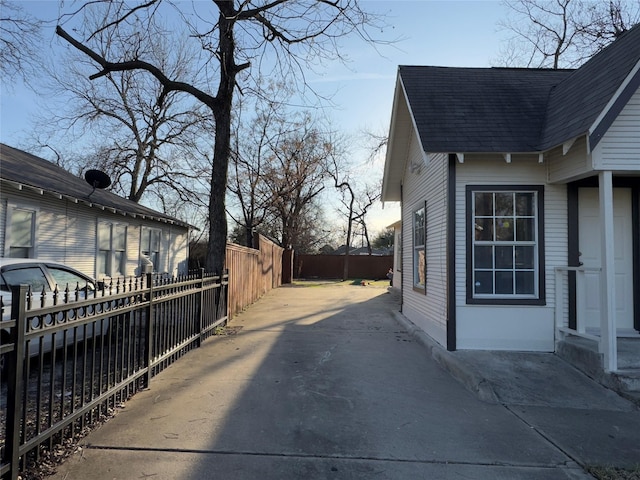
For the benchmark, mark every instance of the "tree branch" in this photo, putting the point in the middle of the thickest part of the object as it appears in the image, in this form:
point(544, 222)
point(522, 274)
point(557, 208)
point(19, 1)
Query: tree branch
point(108, 67)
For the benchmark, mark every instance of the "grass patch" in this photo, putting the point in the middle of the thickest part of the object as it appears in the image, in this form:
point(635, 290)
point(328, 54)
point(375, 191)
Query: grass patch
point(613, 473)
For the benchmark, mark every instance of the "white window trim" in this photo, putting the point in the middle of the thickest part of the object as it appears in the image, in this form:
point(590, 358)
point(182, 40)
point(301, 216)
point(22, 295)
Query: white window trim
point(156, 268)
point(11, 206)
point(416, 249)
point(111, 269)
point(537, 297)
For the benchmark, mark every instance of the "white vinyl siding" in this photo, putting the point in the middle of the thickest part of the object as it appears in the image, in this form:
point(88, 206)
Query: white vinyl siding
point(66, 232)
point(619, 149)
point(177, 262)
point(428, 310)
point(509, 327)
point(576, 163)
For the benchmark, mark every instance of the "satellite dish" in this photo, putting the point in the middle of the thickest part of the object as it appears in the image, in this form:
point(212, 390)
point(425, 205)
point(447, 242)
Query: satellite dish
point(97, 179)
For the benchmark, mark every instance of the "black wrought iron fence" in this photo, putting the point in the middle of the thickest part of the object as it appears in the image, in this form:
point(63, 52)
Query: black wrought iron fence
point(69, 365)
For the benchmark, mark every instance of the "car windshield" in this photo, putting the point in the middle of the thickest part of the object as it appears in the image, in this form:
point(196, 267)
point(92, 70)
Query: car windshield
point(32, 276)
point(64, 278)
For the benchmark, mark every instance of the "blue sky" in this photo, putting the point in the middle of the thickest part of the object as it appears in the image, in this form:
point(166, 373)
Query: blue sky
point(444, 33)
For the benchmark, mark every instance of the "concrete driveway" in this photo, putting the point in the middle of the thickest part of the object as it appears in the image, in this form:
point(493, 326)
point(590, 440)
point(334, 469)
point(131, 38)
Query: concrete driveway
point(323, 383)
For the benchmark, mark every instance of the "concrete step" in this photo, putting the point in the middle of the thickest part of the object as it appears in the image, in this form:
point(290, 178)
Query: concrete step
point(583, 355)
point(629, 380)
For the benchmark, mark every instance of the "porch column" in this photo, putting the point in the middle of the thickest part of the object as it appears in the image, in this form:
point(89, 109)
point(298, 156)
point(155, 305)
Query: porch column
point(608, 344)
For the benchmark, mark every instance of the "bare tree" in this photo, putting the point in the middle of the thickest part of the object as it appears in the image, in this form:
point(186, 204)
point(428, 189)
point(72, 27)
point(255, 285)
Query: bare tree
point(295, 176)
point(20, 37)
point(604, 22)
point(288, 35)
point(357, 196)
point(367, 197)
point(253, 145)
point(342, 182)
point(563, 33)
point(143, 138)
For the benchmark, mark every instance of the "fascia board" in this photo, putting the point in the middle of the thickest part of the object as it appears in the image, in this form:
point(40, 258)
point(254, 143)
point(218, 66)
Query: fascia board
point(615, 105)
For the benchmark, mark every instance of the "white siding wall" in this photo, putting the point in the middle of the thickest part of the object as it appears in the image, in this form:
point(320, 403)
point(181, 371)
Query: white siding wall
point(509, 327)
point(575, 164)
point(66, 232)
point(619, 149)
point(177, 252)
point(429, 312)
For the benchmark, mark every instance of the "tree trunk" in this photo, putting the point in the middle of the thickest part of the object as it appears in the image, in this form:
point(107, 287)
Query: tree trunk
point(345, 272)
point(217, 246)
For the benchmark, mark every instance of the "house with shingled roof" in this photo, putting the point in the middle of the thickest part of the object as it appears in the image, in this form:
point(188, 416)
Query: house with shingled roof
point(50, 214)
point(520, 194)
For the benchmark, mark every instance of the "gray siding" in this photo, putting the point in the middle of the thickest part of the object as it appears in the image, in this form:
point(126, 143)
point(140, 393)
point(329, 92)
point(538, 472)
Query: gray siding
point(575, 164)
point(428, 311)
point(619, 149)
point(501, 326)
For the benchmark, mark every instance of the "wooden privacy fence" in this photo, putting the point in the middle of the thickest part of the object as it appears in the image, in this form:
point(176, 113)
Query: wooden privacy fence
point(332, 266)
point(252, 272)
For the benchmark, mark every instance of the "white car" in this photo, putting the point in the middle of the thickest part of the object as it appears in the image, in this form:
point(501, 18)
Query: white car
point(41, 276)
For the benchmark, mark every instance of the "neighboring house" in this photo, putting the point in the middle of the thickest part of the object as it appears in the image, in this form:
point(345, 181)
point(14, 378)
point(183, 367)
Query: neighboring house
point(520, 193)
point(397, 254)
point(48, 213)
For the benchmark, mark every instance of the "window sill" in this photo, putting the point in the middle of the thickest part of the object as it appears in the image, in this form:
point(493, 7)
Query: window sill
point(507, 301)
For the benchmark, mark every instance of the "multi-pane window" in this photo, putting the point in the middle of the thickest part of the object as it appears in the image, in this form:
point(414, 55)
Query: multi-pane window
point(112, 249)
point(22, 228)
point(419, 252)
point(150, 246)
point(505, 244)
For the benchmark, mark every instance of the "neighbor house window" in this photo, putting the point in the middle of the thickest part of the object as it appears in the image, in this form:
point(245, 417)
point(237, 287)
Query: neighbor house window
point(419, 252)
point(112, 249)
point(22, 223)
point(150, 246)
point(505, 245)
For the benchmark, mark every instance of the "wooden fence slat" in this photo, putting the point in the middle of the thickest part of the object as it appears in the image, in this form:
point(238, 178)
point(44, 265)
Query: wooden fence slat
point(371, 267)
point(252, 272)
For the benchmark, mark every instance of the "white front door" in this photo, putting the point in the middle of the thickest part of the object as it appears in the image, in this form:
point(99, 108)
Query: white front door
point(589, 247)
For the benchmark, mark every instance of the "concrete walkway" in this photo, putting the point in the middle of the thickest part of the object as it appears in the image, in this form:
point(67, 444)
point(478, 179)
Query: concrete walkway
point(324, 383)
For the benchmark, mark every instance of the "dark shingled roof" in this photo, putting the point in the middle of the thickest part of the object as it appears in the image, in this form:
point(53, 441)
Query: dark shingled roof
point(510, 109)
point(23, 168)
point(479, 109)
point(576, 102)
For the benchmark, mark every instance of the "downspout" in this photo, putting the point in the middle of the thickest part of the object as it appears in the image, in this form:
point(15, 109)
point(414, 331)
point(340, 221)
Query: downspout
point(635, 215)
point(402, 236)
point(451, 255)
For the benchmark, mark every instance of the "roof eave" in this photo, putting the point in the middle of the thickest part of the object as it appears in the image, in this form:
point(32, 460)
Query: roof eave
point(90, 204)
point(615, 105)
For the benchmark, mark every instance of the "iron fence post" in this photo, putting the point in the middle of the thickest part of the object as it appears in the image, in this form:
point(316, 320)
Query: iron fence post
point(224, 294)
point(15, 379)
point(201, 313)
point(149, 330)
